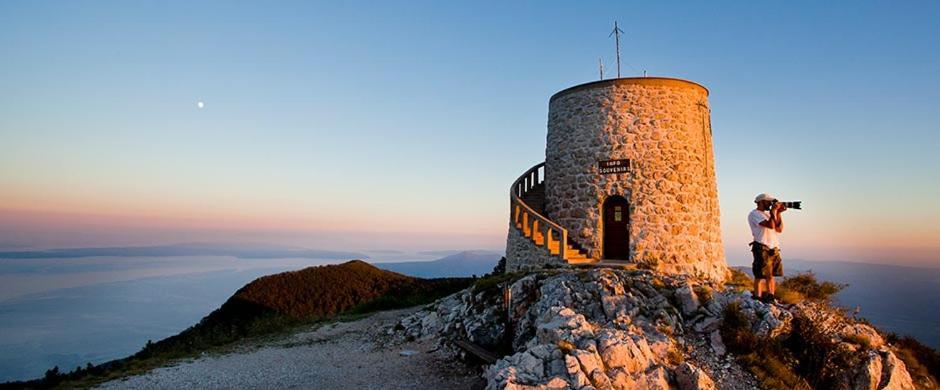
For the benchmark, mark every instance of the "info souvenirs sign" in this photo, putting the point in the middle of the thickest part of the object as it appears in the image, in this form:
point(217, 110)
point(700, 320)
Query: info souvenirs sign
point(607, 167)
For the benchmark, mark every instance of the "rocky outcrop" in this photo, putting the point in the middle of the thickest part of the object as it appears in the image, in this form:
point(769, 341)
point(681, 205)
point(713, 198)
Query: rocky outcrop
point(620, 329)
point(690, 377)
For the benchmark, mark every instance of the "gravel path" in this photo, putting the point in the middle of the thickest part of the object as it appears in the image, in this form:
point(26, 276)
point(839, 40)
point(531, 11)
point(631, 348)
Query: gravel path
point(335, 356)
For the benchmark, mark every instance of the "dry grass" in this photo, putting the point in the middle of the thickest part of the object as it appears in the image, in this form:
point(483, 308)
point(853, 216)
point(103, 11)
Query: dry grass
point(736, 330)
point(922, 361)
point(788, 296)
point(858, 339)
point(772, 372)
point(704, 293)
point(665, 329)
point(674, 356)
point(566, 346)
point(739, 281)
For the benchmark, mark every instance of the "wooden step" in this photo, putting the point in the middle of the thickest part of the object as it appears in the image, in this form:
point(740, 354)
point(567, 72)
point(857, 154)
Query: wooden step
point(538, 238)
point(580, 261)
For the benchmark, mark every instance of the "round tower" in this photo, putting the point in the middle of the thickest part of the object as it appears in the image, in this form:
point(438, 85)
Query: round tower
point(630, 174)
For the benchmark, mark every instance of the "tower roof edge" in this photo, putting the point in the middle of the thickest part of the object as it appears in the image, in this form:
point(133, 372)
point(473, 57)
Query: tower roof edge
point(657, 81)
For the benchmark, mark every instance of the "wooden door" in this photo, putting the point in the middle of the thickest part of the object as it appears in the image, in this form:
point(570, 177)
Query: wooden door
point(616, 228)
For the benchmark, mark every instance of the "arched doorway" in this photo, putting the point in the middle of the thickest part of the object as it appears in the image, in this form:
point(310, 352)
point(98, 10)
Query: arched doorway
point(616, 228)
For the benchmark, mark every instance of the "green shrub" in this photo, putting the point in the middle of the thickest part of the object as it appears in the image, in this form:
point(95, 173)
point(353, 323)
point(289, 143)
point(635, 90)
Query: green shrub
point(808, 287)
point(493, 282)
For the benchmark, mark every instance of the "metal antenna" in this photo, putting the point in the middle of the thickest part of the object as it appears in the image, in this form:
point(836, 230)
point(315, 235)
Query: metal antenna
point(600, 63)
point(617, 31)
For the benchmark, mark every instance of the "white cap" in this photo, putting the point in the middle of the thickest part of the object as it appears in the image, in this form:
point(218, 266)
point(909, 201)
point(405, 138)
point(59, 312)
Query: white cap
point(764, 196)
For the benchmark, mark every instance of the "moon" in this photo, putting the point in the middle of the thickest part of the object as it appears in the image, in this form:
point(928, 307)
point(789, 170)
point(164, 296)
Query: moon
point(200, 104)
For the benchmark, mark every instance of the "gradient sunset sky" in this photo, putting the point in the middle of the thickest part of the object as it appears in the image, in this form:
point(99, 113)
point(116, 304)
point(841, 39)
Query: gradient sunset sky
point(400, 125)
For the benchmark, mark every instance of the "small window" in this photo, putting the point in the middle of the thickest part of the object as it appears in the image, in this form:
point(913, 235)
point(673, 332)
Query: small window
point(618, 215)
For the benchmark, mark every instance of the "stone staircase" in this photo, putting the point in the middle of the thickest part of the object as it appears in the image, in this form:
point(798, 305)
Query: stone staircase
point(527, 208)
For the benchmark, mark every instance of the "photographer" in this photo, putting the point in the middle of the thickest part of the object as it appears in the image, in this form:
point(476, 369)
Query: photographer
point(766, 222)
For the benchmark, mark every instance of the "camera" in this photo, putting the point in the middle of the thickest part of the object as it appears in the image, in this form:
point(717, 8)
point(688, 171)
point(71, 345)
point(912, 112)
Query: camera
point(789, 205)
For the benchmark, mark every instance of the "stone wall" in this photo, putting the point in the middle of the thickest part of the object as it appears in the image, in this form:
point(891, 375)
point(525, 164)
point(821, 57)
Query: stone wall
point(663, 126)
point(523, 255)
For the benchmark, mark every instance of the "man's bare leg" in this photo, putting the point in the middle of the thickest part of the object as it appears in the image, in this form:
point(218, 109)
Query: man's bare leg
point(758, 287)
point(772, 286)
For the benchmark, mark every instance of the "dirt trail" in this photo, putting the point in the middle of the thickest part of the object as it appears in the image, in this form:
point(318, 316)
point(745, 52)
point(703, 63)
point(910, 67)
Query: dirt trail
point(335, 356)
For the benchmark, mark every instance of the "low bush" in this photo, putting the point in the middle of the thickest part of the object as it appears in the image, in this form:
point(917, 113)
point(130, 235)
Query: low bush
point(736, 330)
point(492, 282)
point(806, 285)
point(922, 361)
point(818, 357)
point(770, 362)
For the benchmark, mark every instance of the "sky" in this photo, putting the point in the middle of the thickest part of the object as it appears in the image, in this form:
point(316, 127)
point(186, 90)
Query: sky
point(401, 125)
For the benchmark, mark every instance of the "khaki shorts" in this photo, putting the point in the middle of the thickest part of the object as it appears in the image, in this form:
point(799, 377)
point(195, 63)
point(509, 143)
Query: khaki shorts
point(767, 261)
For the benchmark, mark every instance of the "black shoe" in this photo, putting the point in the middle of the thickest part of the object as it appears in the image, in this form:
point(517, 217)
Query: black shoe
point(769, 299)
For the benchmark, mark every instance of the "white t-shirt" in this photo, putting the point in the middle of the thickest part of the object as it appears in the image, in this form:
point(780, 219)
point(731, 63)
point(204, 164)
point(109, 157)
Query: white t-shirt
point(763, 235)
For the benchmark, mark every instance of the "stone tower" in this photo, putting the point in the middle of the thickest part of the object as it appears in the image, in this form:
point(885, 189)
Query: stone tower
point(629, 176)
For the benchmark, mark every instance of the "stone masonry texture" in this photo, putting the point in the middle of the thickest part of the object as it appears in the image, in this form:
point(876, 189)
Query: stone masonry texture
point(523, 255)
point(663, 127)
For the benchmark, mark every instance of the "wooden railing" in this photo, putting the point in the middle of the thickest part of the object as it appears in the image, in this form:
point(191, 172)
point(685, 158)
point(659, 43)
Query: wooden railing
point(537, 227)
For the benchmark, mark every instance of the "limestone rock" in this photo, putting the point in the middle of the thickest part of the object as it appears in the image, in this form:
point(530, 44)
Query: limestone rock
point(557, 383)
point(690, 377)
point(619, 350)
point(615, 329)
point(894, 375)
point(656, 379)
point(868, 375)
point(717, 344)
point(707, 324)
point(589, 361)
point(575, 374)
point(563, 324)
point(862, 332)
point(688, 300)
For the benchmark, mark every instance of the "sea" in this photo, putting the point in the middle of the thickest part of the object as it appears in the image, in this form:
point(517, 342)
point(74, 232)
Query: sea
point(69, 312)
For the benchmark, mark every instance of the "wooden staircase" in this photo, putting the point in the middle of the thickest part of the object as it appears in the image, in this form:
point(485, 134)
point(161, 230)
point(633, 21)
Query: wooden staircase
point(527, 210)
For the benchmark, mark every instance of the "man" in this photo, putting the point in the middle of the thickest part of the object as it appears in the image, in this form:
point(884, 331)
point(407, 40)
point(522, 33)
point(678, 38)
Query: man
point(766, 223)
